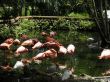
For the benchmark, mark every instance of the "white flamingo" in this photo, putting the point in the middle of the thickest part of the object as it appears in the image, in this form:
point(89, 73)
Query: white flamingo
point(62, 50)
point(20, 64)
point(70, 48)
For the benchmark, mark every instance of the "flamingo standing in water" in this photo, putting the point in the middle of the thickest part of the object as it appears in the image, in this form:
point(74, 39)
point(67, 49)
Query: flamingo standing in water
point(6, 44)
point(37, 45)
point(29, 42)
point(20, 64)
point(48, 38)
point(20, 50)
point(105, 54)
point(9, 41)
point(51, 53)
point(70, 49)
point(39, 56)
point(58, 47)
point(51, 42)
point(50, 45)
point(62, 50)
point(54, 43)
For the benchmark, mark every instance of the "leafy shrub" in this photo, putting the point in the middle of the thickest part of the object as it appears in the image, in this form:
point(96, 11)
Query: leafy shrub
point(24, 27)
point(79, 15)
point(85, 24)
point(63, 24)
point(5, 31)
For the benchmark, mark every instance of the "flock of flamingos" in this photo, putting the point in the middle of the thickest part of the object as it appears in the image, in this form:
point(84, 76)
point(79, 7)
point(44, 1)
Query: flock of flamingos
point(53, 46)
point(53, 49)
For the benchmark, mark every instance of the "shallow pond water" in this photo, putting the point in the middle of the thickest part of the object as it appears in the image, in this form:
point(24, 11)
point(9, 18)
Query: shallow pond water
point(84, 60)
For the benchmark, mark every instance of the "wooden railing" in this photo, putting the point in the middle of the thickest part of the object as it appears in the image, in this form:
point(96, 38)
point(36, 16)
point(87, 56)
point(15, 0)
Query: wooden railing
point(42, 17)
point(50, 17)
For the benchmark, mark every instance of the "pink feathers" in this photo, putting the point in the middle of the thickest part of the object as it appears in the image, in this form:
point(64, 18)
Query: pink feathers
point(20, 50)
point(51, 53)
point(105, 54)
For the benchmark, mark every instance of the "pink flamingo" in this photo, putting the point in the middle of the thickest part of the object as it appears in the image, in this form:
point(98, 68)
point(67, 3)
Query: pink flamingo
point(5, 46)
point(58, 47)
point(105, 54)
point(48, 38)
point(39, 56)
point(50, 45)
point(20, 50)
point(29, 42)
point(51, 53)
point(37, 45)
point(9, 40)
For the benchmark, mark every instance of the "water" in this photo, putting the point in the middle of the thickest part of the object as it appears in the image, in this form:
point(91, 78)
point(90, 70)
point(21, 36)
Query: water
point(85, 60)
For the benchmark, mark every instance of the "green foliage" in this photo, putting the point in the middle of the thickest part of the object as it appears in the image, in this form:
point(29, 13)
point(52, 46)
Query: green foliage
point(64, 24)
point(79, 15)
point(85, 24)
point(25, 26)
point(5, 31)
point(44, 24)
point(61, 24)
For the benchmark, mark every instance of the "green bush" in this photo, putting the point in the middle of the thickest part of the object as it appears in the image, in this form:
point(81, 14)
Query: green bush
point(64, 24)
point(83, 24)
point(86, 24)
point(24, 27)
point(79, 15)
point(5, 31)
point(27, 26)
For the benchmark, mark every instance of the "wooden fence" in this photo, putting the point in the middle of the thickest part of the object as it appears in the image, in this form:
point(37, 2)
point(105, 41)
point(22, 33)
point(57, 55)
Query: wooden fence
point(42, 17)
